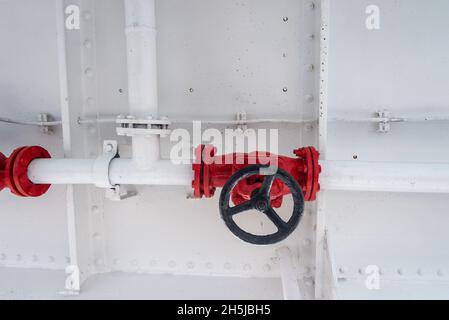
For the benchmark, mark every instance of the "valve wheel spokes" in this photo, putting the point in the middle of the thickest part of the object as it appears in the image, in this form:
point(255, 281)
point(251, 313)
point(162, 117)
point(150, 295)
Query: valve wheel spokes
point(248, 205)
point(261, 202)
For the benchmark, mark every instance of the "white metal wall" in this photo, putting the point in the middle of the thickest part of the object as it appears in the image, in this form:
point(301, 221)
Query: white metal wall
point(402, 67)
point(217, 58)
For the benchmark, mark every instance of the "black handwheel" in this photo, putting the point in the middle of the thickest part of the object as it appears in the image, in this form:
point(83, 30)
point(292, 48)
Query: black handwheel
point(261, 202)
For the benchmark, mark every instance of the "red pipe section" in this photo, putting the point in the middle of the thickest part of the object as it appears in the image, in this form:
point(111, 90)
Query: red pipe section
point(212, 172)
point(14, 172)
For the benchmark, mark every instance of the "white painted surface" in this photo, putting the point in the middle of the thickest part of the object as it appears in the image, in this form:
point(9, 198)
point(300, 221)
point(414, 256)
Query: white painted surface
point(222, 56)
point(44, 284)
point(216, 58)
point(403, 68)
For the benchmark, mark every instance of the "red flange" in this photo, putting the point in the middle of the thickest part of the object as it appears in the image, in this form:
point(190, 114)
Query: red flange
point(14, 172)
point(212, 172)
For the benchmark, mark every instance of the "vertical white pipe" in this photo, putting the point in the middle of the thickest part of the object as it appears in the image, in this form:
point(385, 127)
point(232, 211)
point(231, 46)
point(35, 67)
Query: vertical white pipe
point(141, 38)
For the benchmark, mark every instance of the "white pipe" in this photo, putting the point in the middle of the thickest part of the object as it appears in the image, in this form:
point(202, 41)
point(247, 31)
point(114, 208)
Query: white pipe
point(336, 175)
point(141, 38)
point(141, 56)
point(121, 172)
point(385, 176)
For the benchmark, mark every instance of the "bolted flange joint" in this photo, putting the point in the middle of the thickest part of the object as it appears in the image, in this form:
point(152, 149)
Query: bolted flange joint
point(14, 172)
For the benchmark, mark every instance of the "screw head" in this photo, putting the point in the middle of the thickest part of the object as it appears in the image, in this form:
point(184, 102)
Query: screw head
point(109, 148)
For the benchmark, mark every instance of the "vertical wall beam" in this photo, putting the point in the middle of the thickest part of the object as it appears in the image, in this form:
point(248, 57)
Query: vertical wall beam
point(320, 240)
point(77, 72)
point(289, 277)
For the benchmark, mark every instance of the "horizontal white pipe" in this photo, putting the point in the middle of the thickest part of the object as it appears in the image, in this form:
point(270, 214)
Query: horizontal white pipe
point(336, 175)
point(385, 176)
point(162, 172)
point(121, 172)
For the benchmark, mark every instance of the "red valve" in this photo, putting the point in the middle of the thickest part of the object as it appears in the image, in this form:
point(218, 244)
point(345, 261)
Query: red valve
point(212, 172)
point(14, 172)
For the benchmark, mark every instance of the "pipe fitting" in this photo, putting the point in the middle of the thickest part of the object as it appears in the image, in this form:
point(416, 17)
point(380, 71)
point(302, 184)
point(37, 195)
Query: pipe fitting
point(14, 172)
point(212, 172)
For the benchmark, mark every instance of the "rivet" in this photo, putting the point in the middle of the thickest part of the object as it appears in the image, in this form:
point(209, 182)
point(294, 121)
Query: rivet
point(440, 273)
point(88, 44)
point(400, 272)
point(267, 268)
point(311, 5)
point(109, 148)
point(89, 72)
point(285, 89)
point(310, 67)
point(285, 19)
point(420, 272)
point(342, 270)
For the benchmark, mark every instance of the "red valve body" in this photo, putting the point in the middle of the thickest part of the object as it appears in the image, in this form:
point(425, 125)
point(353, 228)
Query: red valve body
point(212, 172)
point(14, 172)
